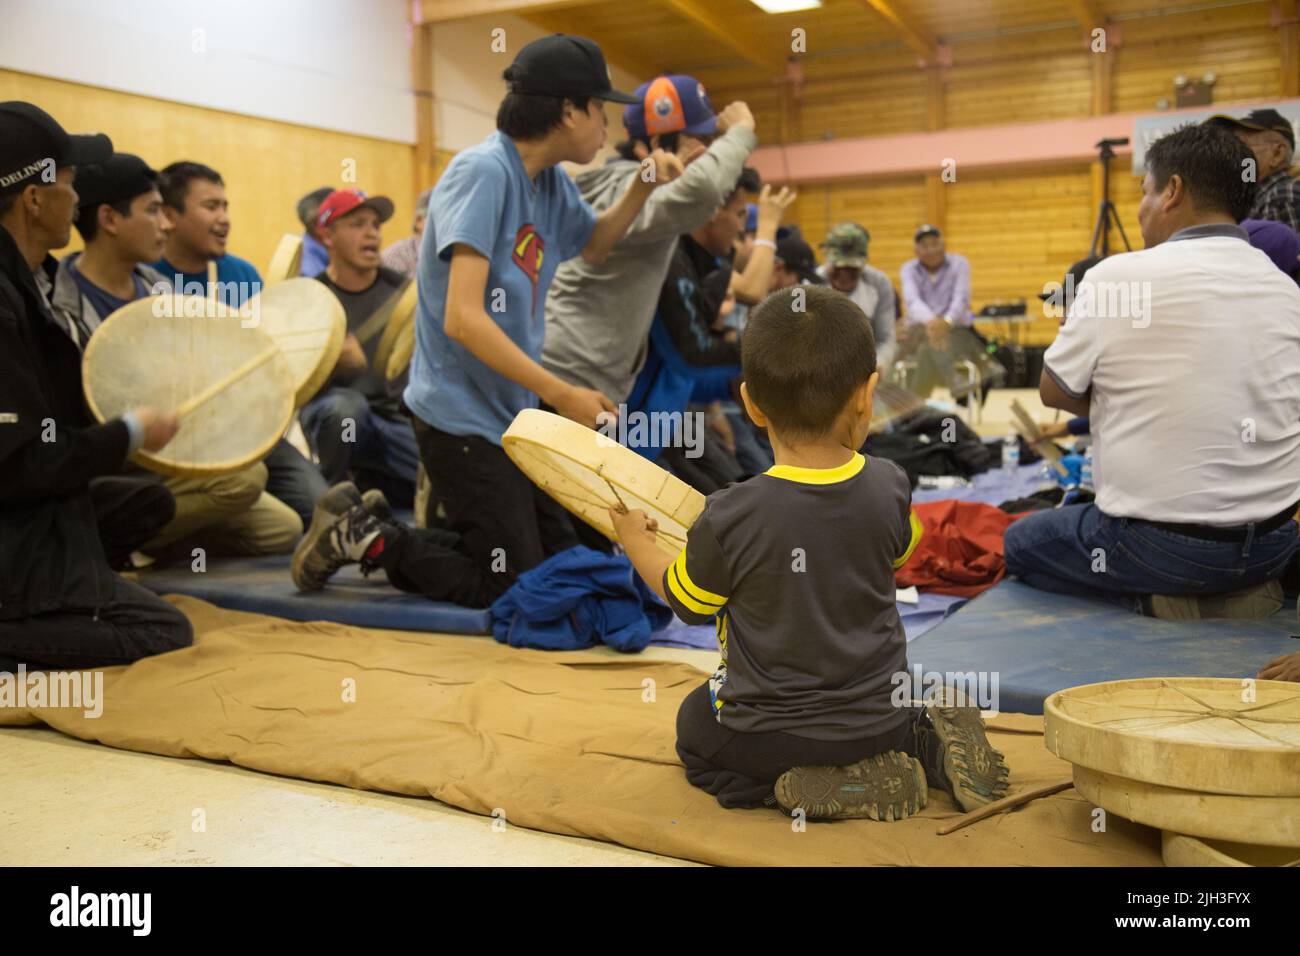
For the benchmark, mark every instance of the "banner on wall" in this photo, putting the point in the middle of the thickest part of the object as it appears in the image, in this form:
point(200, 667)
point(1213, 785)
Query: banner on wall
point(1148, 129)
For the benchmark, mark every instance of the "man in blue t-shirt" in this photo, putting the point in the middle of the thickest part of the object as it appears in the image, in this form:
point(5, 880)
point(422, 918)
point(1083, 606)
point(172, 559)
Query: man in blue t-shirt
point(502, 218)
point(194, 201)
point(195, 204)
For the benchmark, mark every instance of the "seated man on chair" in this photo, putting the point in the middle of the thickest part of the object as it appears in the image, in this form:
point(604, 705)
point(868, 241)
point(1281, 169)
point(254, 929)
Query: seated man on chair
point(936, 330)
point(1195, 419)
point(355, 424)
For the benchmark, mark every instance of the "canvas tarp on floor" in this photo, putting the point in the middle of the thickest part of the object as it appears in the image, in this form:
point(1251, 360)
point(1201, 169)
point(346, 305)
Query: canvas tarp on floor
point(576, 743)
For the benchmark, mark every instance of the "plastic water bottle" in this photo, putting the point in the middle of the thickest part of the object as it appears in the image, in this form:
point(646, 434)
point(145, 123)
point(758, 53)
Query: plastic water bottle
point(1010, 453)
point(1085, 470)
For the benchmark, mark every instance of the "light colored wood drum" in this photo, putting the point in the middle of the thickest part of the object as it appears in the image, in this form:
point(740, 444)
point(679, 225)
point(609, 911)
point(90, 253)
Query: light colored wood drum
point(400, 326)
point(306, 320)
point(230, 385)
point(1204, 734)
point(286, 261)
point(1270, 821)
point(1179, 849)
point(589, 473)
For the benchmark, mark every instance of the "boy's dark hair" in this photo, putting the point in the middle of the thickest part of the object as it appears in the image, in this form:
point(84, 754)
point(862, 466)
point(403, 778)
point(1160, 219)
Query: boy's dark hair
point(88, 216)
point(8, 202)
point(751, 180)
point(668, 142)
point(174, 183)
point(801, 367)
point(528, 116)
point(1212, 164)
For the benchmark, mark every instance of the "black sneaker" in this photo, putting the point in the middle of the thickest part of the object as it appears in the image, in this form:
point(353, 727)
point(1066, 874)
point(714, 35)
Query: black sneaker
point(377, 505)
point(340, 498)
point(331, 542)
point(889, 786)
point(953, 741)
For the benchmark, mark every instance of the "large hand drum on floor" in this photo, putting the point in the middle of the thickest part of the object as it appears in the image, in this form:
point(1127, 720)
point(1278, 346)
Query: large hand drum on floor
point(589, 473)
point(306, 320)
point(230, 385)
point(1212, 757)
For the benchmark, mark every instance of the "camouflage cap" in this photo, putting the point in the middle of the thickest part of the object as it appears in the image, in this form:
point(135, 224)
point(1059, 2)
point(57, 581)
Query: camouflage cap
point(846, 246)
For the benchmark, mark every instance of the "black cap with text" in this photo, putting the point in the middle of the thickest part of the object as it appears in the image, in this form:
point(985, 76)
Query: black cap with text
point(564, 65)
point(33, 146)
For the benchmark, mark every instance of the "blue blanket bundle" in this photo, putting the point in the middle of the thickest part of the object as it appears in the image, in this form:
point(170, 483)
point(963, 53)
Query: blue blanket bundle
point(576, 599)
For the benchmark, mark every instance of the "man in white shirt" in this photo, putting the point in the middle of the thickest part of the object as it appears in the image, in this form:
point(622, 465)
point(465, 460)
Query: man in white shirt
point(1186, 357)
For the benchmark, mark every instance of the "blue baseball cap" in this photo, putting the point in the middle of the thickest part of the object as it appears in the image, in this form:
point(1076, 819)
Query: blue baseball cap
point(751, 222)
point(670, 104)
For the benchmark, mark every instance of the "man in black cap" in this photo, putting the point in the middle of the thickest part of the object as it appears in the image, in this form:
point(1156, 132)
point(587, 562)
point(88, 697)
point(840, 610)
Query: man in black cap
point(61, 605)
point(503, 216)
point(1272, 139)
point(795, 264)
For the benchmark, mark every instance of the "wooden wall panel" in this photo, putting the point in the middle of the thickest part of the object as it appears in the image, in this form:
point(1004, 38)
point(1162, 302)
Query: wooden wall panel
point(266, 165)
point(1018, 91)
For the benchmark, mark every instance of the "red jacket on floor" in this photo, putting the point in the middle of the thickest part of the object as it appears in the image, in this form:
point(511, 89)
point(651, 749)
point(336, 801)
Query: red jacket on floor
point(961, 549)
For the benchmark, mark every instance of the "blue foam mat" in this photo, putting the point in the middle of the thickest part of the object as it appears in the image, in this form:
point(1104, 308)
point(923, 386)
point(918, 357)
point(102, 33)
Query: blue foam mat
point(1037, 643)
point(263, 586)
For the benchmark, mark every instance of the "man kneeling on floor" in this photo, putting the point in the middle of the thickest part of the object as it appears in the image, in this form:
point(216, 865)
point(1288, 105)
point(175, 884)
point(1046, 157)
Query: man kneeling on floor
point(1186, 357)
point(797, 567)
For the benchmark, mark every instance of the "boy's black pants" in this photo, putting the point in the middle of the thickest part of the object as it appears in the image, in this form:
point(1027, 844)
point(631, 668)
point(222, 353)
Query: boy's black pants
point(501, 524)
point(741, 769)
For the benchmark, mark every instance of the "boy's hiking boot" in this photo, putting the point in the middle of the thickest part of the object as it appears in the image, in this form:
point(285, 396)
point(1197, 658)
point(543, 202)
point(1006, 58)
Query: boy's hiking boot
point(889, 786)
point(341, 532)
point(957, 755)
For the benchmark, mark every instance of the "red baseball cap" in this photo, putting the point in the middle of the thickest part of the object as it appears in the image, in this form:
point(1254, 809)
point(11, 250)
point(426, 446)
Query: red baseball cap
point(343, 201)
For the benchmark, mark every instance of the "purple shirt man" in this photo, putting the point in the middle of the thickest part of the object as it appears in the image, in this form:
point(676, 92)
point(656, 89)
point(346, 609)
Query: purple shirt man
point(936, 284)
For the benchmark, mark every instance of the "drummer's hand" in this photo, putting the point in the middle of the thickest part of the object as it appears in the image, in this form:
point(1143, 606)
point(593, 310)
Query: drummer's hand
point(937, 330)
point(1052, 430)
point(584, 406)
point(159, 428)
point(634, 524)
point(1286, 667)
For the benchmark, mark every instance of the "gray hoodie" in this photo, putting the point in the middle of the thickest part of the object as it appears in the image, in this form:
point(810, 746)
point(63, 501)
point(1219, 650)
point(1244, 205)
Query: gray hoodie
point(598, 317)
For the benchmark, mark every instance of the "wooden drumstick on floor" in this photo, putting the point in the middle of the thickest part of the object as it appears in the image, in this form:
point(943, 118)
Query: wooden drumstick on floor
point(1006, 803)
point(257, 361)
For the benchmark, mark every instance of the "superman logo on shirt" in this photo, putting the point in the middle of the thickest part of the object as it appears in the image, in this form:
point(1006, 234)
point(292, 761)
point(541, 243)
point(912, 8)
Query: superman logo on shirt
point(528, 251)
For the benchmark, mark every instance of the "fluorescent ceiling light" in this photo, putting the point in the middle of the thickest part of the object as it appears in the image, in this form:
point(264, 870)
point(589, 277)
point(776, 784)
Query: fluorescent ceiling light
point(786, 6)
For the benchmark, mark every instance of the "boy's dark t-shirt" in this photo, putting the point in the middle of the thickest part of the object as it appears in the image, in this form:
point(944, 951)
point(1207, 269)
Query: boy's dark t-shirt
point(359, 306)
point(798, 566)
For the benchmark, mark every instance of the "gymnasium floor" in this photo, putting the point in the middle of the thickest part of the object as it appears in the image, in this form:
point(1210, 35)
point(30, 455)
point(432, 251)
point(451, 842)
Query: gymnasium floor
point(67, 802)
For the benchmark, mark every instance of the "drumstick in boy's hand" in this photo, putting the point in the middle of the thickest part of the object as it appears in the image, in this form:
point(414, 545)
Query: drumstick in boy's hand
point(636, 532)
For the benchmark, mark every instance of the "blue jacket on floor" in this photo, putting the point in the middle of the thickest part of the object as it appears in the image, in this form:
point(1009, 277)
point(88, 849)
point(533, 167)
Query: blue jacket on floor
point(578, 598)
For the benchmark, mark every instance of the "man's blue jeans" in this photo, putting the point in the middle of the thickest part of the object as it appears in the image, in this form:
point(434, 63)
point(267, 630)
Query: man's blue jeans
point(379, 447)
point(1079, 550)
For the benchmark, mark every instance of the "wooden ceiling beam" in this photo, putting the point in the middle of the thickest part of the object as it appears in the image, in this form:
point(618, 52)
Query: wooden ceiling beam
point(615, 52)
point(444, 11)
point(1088, 16)
point(730, 34)
point(913, 35)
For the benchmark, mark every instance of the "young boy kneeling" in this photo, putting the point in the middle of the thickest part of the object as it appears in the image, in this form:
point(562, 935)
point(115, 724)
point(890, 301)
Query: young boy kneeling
point(797, 566)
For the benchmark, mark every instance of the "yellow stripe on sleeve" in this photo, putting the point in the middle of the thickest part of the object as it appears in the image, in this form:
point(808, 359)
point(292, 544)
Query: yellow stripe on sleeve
point(917, 531)
point(692, 596)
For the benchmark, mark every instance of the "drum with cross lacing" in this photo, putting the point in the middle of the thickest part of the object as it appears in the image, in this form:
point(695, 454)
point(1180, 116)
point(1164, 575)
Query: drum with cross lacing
point(589, 472)
point(227, 381)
